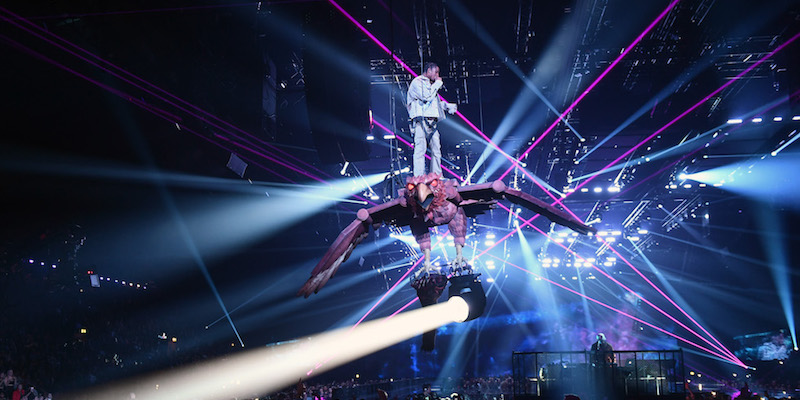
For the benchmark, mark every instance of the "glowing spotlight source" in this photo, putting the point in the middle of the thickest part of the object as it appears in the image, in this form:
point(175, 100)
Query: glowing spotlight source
point(757, 120)
point(272, 368)
point(460, 308)
point(735, 121)
point(468, 288)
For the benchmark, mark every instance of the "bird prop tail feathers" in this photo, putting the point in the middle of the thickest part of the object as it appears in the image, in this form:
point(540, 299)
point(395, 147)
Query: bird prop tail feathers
point(429, 286)
point(338, 253)
point(316, 282)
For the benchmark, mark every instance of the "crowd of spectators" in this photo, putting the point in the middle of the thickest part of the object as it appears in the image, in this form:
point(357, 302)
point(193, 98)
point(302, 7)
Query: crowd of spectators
point(55, 333)
point(501, 388)
point(13, 387)
point(769, 380)
point(752, 388)
point(472, 388)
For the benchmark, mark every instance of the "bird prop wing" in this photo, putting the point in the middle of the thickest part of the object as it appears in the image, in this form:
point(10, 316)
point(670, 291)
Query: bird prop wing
point(497, 190)
point(394, 212)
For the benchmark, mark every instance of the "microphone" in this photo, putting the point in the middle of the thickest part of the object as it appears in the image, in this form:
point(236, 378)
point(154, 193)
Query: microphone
point(440, 87)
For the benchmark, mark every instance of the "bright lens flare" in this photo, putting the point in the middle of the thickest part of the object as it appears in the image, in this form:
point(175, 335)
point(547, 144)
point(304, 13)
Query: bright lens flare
point(269, 369)
point(460, 308)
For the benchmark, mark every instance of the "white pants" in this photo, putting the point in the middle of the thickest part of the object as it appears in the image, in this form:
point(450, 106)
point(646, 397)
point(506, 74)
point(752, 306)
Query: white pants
point(426, 133)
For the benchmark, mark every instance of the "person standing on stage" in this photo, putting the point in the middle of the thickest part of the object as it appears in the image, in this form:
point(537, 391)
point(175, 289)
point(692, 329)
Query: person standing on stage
point(426, 109)
point(601, 352)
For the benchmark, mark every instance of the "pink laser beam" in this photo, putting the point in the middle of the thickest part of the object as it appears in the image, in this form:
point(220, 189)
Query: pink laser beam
point(598, 79)
point(125, 72)
point(604, 273)
point(617, 310)
point(692, 108)
point(414, 300)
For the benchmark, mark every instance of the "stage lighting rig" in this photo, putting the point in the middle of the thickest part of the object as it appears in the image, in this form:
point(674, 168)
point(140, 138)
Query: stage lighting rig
point(466, 284)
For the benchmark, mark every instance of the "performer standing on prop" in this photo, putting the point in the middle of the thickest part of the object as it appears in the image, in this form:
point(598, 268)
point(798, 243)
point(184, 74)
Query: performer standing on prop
point(426, 109)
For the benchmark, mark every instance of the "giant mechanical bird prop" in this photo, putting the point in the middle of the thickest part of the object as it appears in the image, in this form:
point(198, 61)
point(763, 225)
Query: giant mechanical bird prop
point(425, 202)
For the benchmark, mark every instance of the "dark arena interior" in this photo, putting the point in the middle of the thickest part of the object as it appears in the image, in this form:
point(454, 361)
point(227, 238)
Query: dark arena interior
point(219, 200)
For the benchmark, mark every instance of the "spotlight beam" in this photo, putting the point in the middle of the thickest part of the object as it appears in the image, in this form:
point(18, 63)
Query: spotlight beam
point(711, 249)
point(598, 302)
point(692, 108)
point(402, 278)
point(544, 297)
point(772, 53)
point(620, 284)
point(773, 235)
point(276, 285)
point(713, 140)
point(463, 14)
point(135, 102)
point(721, 347)
point(56, 164)
point(414, 300)
point(515, 162)
point(380, 300)
point(662, 279)
point(283, 286)
point(663, 94)
point(779, 268)
point(598, 79)
point(266, 370)
point(659, 155)
point(150, 108)
point(675, 148)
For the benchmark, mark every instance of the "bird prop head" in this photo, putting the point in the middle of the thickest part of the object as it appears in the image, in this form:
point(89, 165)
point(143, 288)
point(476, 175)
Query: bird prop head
point(424, 191)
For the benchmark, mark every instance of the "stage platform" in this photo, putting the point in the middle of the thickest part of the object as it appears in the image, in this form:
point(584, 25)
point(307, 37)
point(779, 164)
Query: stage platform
point(657, 374)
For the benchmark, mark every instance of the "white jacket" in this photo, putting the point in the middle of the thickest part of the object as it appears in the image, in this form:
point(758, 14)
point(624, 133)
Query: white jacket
point(422, 99)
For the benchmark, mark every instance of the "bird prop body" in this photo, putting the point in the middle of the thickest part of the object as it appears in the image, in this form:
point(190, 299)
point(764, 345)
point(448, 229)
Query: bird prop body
point(425, 202)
